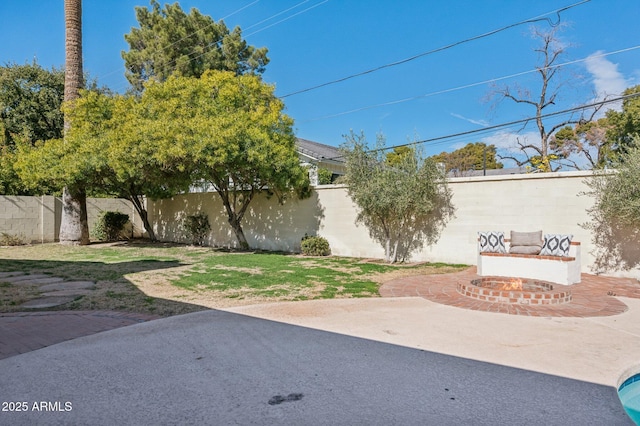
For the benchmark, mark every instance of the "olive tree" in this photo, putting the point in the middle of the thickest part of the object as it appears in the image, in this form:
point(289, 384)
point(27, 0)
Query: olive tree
point(615, 215)
point(404, 203)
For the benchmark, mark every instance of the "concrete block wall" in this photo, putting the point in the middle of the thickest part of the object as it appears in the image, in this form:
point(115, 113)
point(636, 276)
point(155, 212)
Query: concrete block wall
point(37, 219)
point(267, 224)
point(30, 218)
point(550, 202)
point(95, 206)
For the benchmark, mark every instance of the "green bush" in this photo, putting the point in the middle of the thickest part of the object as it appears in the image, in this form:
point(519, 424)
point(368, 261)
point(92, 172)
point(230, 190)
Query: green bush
point(196, 228)
point(110, 226)
point(11, 240)
point(324, 176)
point(315, 246)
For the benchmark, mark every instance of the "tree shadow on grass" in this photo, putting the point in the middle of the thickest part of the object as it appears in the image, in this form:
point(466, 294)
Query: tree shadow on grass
point(112, 291)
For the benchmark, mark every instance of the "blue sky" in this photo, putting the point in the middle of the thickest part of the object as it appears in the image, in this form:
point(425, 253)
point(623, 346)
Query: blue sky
point(316, 41)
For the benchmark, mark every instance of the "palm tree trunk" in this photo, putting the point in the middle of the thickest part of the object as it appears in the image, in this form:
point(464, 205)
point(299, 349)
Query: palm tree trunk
point(74, 216)
point(74, 228)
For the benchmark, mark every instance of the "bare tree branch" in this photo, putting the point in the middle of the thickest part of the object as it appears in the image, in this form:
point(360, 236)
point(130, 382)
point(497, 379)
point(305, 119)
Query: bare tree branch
point(547, 150)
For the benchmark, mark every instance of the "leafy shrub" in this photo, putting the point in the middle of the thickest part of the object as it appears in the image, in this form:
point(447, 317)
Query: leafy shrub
point(11, 240)
point(196, 228)
point(315, 246)
point(324, 176)
point(110, 226)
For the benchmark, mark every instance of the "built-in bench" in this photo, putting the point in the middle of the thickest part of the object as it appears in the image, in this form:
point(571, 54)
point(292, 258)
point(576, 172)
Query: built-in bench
point(556, 269)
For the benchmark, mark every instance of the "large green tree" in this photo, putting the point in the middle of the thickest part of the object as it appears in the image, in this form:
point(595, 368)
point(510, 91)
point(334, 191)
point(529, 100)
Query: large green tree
point(171, 41)
point(240, 140)
point(403, 203)
point(30, 110)
point(472, 156)
point(30, 102)
point(624, 125)
point(117, 147)
point(224, 129)
point(602, 142)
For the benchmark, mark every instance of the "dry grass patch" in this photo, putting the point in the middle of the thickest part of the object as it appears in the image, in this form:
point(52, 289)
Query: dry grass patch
point(169, 279)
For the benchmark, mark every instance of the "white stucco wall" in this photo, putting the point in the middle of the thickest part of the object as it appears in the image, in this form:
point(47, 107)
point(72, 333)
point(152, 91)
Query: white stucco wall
point(549, 202)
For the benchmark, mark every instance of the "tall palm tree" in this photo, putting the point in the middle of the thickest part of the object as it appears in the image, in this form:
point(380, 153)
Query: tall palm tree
point(74, 228)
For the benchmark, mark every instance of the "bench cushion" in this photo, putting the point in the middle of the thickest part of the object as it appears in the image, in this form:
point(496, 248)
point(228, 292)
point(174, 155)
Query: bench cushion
point(556, 245)
point(526, 242)
point(526, 238)
point(524, 249)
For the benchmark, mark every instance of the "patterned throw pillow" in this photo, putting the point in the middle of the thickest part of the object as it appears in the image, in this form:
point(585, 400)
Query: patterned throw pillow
point(556, 245)
point(492, 242)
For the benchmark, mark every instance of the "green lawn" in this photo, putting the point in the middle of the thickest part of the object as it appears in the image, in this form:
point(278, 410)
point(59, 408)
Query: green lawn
point(168, 279)
point(277, 275)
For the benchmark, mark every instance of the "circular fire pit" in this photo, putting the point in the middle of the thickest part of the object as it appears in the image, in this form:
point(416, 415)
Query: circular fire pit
point(514, 291)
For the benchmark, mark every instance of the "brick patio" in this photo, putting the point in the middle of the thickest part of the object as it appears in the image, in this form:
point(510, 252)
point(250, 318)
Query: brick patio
point(592, 297)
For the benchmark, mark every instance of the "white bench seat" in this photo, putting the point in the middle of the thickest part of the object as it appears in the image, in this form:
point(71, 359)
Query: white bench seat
point(554, 269)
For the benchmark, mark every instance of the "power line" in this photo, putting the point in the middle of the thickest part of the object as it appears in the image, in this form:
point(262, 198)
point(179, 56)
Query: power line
point(269, 26)
point(277, 14)
point(287, 18)
point(439, 49)
point(466, 86)
point(502, 125)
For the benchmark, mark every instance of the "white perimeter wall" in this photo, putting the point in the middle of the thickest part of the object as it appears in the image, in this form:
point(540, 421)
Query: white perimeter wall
point(37, 219)
point(548, 202)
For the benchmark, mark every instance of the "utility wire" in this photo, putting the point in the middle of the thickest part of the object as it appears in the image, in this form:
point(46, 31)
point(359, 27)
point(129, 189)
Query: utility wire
point(287, 18)
point(466, 86)
point(262, 29)
point(502, 125)
point(277, 14)
point(439, 49)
